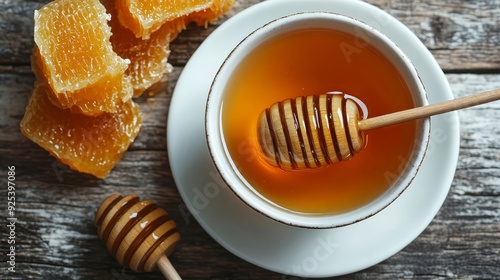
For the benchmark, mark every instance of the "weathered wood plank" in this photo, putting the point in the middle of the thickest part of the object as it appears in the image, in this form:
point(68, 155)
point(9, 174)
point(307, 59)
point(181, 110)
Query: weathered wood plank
point(16, 29)
point(57, 237)
point(463, 36)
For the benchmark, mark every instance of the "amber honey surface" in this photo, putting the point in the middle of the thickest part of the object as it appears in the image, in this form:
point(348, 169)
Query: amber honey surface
point(314, 62)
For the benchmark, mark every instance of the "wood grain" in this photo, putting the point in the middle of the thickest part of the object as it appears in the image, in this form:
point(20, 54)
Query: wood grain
point(457, 33)
point(55, 207)
point(471, 100)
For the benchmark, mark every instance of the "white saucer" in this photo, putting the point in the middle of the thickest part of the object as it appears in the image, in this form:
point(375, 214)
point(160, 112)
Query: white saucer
point(281, 248)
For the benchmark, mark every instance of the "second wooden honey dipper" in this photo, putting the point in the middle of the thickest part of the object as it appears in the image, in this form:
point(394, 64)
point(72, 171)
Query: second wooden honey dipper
point(139, 234)
point(315, 131)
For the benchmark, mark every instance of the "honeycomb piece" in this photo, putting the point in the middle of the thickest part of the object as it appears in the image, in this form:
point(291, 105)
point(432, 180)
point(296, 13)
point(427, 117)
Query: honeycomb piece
point(77, 58)
point(144, 17)
point(149, 57)
point(86, 144)
point(211, 14)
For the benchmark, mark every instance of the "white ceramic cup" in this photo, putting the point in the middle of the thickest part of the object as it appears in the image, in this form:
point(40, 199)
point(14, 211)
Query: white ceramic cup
point(278, 27)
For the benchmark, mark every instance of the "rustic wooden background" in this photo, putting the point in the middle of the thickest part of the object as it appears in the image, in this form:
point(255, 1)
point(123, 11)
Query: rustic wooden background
point(55, 236)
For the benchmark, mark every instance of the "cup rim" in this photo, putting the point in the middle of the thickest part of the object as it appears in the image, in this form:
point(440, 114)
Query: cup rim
point(258, 202)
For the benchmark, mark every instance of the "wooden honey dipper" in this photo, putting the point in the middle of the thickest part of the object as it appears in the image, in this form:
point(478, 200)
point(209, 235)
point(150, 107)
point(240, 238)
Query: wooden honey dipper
point(138, 233)
point(315, 131)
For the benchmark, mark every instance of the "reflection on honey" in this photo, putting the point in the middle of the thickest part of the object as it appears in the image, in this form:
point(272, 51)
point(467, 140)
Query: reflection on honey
point(314, 62)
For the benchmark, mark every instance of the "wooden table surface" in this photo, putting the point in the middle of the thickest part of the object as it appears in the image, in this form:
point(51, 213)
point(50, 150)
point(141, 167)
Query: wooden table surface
point(55, 207)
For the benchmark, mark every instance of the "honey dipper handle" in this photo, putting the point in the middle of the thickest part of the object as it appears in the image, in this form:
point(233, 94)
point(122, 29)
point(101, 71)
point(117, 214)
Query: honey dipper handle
point(167, 269)
point(430, 110)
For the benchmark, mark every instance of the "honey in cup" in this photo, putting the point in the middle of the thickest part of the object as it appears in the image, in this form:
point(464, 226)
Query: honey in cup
point(312, 61)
